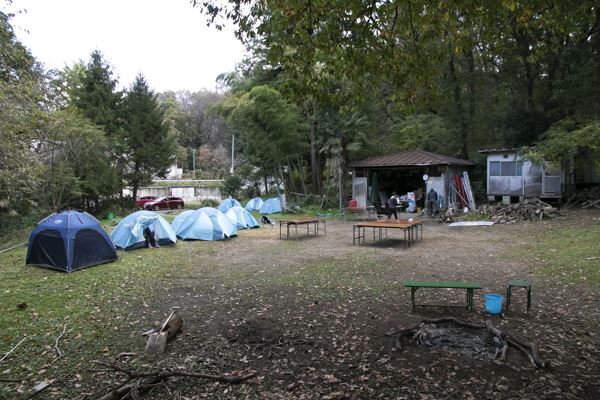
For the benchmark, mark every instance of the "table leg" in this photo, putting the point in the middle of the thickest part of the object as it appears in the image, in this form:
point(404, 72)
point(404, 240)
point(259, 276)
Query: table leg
point(508, 293)
point(528, 299)
point(470, 297)
point(412, 297)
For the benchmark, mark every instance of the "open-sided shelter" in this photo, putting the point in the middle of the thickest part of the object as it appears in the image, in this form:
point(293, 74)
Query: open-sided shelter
point(374, 179)
point(271, 206)
point(206, 223)
point(254, 204)
point(227, 204)
point(68, 241)
point(129, 233)
point(241, 218)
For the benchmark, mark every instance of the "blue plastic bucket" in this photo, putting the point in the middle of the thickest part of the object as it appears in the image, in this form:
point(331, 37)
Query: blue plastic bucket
point(493, 303)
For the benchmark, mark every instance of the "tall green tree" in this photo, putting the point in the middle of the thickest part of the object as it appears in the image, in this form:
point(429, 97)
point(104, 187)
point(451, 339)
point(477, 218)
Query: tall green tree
point(269, 127)
point(21, 116)
point(149, 149)
point(75, 156)
point(96, 95)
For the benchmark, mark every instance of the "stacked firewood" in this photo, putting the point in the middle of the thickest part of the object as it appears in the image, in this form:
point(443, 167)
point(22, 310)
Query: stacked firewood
point(527, 210)
point(586, 198)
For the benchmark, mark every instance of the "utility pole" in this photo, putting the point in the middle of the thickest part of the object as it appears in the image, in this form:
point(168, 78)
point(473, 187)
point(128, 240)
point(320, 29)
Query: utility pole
point(340, 187)
point(194, 161)
point(232, 147)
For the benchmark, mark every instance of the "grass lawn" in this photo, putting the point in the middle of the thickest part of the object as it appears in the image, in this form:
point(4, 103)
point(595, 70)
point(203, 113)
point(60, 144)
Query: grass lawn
point(571, 254)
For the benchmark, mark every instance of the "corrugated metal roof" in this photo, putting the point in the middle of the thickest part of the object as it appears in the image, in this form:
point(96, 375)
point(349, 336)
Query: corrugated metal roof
point(409, 158)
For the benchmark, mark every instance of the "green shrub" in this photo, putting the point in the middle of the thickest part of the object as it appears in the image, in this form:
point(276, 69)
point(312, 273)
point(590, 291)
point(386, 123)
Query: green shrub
point(231, 186)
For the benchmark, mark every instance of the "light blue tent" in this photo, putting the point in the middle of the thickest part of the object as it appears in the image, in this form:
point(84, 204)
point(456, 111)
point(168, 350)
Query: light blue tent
point(227, 204)
point(254, 204)
point(271, 206)
point(241, 218)
point(129, 233)
point(203, 224)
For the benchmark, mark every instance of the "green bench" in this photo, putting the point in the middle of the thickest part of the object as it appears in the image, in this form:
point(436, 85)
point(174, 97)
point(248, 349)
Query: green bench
point(469, 286)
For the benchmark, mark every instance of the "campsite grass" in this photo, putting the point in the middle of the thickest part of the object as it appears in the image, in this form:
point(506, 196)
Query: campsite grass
point(570, 254)
point(96, 305)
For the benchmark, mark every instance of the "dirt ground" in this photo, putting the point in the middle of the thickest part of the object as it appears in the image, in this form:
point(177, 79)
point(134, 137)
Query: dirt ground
point(311, 314)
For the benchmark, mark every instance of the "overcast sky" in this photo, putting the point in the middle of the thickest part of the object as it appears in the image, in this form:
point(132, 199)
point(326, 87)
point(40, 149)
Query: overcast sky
point(166, 40)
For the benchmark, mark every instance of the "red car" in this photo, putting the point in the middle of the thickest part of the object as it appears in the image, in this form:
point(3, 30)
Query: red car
point(165, 202)
point(143, 200)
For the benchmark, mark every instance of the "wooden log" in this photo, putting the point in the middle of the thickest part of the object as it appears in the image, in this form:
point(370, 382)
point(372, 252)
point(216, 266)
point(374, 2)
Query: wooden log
point(174, 326)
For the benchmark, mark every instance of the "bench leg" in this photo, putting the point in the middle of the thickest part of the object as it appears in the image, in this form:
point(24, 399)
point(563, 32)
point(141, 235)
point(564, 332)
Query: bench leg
point(508, 293)
point(528, 299)
point(412, 297)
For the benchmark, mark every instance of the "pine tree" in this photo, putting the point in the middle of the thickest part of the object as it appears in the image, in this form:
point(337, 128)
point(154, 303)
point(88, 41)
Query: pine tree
point(97, 97)
point(149, 149)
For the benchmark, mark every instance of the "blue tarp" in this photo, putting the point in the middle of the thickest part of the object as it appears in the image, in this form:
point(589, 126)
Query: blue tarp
point(68, 241)
point(203, 224)
point(254, 204)
point(241, 218)
point(271, 206)
point(228, 203)
point(129, 233)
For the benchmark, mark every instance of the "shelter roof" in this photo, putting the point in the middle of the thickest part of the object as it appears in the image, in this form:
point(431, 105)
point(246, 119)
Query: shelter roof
point(498, 150)
point(408, 158)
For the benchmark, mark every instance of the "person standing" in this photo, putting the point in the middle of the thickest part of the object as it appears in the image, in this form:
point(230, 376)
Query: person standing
point(432, 198)
point(392, 205)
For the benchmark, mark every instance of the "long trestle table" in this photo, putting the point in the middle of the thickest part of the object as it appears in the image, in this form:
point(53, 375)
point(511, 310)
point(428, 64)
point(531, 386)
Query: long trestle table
point(409, 228)
point(308, 221)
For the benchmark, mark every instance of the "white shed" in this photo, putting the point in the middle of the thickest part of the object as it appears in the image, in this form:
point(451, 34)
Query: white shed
point(512, 179)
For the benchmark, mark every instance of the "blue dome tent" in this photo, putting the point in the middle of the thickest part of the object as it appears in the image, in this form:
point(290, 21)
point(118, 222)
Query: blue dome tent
point(129, 233)
point(271, 206)
point(241, 218)
point(254, 204)
point(203, 224)
point(68, 241)
point(227, 204)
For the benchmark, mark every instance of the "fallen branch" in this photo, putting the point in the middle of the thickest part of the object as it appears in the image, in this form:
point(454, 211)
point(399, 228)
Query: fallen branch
point(12, 379)
point(138, 382)
point(453, 320)
point(13, 349)
point(57, 339)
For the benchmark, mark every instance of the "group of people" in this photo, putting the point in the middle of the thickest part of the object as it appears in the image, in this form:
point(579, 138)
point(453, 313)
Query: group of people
point(394, 201)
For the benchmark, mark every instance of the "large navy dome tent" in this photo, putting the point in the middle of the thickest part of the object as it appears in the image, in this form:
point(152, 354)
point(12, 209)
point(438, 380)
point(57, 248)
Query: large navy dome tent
point(68, 241)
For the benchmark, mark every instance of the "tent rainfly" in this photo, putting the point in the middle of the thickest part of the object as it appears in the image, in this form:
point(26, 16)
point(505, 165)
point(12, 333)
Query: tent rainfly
point(241, 218)
point(227, 204)
point(129, 233)
point(203, 224)
point(254, 204)
point(271, 206)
